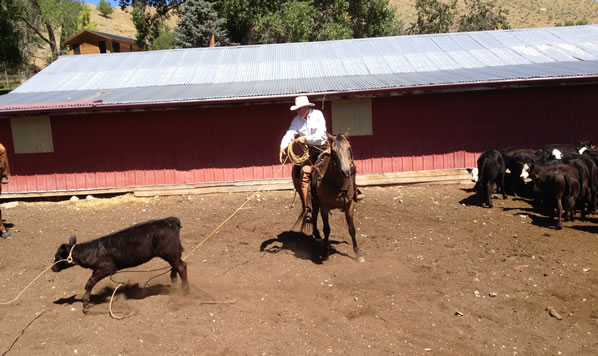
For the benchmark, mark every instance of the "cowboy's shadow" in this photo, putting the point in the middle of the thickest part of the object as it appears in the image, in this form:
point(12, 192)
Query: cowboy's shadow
point(301, 245)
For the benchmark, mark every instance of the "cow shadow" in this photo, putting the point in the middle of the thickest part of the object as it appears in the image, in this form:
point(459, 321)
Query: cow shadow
point(542, 220)
point(302, 246)
point(475, 199)
point(592, 229)
point(133, 291)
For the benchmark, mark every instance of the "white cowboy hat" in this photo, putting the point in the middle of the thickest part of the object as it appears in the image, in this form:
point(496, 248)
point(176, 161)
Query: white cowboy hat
point(300, 102)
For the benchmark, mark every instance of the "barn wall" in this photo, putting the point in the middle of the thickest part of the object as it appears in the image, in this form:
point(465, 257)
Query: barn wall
point(146, 148)
point(416, 132)
point(443, 131)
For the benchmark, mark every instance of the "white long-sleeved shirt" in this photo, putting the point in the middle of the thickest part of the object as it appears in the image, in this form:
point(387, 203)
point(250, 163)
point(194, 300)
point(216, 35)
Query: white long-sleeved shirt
point(313, 128)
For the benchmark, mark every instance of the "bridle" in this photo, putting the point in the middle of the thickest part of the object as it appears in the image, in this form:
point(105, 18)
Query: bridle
point(346, 178)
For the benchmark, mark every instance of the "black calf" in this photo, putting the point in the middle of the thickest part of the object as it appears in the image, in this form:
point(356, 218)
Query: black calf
point(126, 248)
point(491, 170)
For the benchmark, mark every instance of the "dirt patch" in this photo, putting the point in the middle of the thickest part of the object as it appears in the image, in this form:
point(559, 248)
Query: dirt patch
point(442, 276)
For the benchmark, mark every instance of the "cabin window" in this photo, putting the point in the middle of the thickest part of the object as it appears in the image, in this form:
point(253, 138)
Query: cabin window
point(32, 134)
point(355, 114)
point(115, 47)
point(102, 46)
point(76, 49)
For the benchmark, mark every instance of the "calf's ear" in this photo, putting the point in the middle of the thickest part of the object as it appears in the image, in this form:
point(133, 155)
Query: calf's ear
point(73, 240)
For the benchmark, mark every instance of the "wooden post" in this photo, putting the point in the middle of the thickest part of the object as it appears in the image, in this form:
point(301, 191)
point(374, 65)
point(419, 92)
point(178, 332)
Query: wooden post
point(211, 39)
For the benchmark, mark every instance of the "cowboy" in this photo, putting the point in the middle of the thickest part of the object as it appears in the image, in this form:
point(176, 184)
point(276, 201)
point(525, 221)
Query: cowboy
point(4, 173)
point(4, 169)
point(310, 125)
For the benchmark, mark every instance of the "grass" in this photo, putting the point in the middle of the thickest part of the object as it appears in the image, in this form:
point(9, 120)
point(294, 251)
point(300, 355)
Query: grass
point(523, 13)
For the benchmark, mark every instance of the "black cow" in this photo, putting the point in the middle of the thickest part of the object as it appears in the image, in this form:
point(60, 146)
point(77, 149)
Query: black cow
point(126, 248)
point(559, 188)
point(558, 149)
point(588, 178)
point(491, 170)
point(515, 160)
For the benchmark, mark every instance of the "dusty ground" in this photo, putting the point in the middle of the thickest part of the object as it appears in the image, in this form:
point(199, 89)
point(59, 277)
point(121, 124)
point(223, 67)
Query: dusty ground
point(442, 276)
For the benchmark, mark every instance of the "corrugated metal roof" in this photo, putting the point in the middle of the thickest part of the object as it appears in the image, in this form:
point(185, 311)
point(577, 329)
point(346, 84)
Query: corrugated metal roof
point(204, 74)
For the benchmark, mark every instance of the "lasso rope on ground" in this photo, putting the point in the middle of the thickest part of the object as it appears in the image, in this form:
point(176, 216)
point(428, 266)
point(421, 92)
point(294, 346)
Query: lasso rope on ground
point(202, 241)
point(30, 283)
point(22, 332)
point(290, 155)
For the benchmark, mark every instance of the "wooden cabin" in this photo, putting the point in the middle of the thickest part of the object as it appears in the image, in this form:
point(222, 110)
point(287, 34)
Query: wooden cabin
point(94, 42)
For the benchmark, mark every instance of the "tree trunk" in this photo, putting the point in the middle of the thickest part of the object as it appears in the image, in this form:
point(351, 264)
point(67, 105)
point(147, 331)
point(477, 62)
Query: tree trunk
point(52, 41)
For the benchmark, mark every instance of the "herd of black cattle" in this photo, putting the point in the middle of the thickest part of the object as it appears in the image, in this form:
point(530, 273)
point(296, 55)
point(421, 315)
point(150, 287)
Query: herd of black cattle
point(561, 177)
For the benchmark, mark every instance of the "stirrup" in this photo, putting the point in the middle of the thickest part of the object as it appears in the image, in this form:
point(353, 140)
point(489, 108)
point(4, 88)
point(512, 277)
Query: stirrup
point(307, 217)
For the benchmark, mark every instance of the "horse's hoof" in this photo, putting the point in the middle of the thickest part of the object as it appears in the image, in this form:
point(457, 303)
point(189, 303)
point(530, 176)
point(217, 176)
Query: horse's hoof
point(361, 259)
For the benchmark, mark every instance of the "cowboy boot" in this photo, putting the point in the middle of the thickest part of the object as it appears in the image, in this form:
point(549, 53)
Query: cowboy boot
point(357, 194)
point(4, 168)
point(306, 195)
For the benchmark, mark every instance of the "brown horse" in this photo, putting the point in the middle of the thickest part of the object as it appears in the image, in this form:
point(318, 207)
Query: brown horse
point(3, 232)
point(4, 170)
point(333, 187)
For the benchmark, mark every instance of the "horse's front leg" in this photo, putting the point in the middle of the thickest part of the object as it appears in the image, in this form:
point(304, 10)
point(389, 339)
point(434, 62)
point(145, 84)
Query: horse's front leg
point(315, 209)
point(349, 217)
point(326, 247)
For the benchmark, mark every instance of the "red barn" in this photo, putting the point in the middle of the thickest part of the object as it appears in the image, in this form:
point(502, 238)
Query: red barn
point(123, 121)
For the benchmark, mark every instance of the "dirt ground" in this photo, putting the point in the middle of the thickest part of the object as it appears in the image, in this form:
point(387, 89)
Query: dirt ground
point(442, 276)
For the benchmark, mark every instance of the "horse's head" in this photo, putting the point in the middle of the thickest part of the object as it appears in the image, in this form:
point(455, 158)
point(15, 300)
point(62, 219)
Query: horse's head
point(342, 153)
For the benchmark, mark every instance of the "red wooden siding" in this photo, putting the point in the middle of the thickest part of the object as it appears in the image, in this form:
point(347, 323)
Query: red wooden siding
point(443, 131)
point(414, 132)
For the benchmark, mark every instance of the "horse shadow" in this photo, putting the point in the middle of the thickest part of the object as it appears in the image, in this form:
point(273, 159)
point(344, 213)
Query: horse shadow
point(129, 291)
point(301, 245)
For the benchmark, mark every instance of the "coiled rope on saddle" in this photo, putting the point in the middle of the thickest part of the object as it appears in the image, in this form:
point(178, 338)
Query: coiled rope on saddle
point(296, 159)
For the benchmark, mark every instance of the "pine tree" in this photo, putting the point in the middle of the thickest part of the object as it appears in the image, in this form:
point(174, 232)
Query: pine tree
point(199, 21)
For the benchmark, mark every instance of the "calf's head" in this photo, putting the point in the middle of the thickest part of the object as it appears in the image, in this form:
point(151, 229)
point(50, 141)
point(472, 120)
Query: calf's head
point(62, 254)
